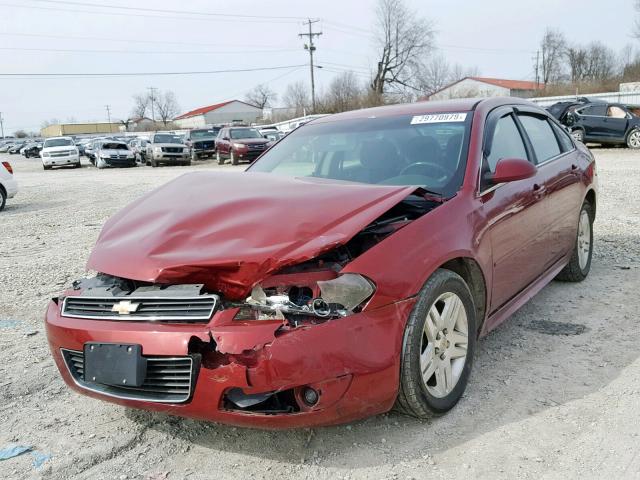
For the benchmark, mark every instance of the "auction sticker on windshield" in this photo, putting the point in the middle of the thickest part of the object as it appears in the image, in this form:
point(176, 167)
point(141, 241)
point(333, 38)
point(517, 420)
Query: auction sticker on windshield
point(439, 118)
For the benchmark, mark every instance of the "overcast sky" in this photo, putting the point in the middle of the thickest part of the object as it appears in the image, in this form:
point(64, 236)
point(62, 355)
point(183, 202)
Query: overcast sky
point(499, 37)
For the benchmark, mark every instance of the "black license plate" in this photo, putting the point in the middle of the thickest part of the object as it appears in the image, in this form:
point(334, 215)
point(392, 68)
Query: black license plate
point(114, 364)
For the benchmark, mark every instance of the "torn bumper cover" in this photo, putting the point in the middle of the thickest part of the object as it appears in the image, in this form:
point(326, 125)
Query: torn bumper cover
point(247, 373)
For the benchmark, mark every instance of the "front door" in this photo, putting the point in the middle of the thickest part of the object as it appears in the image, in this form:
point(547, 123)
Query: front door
point(515, 213)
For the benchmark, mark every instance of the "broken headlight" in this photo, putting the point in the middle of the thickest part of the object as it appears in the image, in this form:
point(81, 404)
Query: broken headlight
point(334, 298)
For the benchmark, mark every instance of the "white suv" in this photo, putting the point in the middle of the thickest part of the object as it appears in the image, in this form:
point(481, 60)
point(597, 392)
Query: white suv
point(8, 185)
point(59, 151)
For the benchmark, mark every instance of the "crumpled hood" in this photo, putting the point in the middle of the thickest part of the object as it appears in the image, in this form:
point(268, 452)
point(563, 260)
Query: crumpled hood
point(230, 230)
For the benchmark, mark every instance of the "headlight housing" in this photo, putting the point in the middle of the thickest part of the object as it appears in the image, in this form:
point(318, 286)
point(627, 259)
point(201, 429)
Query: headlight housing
point(45, 154)
point(239, 146)
point(157, 149)
point(338, 297)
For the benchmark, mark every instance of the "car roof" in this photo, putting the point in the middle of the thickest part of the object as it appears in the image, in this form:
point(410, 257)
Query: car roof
point(422, 108)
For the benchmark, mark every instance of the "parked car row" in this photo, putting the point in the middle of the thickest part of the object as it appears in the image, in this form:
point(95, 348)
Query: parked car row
point(600, 122)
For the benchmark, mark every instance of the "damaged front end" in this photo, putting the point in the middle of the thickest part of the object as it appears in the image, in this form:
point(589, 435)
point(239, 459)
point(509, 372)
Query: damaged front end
point(282, 339)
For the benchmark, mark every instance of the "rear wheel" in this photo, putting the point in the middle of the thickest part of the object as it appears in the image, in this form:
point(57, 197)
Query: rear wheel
point(438, 347)
point(580, 263)
point(633, 139)
point(3, 199)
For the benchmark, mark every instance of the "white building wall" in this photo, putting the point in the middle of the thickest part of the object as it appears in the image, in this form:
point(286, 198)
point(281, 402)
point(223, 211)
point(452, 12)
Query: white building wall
point(469, 88)
point(235, 111)
point(191, 122)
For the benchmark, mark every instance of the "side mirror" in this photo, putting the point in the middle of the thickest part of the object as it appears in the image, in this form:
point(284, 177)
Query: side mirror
point(512, 170)
point(226, 139)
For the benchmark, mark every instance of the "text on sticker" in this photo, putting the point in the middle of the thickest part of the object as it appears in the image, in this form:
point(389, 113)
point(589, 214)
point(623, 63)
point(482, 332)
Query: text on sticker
point(439, 118)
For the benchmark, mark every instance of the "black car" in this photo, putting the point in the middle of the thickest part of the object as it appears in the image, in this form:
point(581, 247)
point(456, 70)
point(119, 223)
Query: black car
point(601, 122)
point(202, 142)
point(32, 150)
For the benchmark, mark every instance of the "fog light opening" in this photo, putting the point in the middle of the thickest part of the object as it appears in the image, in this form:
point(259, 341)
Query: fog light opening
point(310, 396)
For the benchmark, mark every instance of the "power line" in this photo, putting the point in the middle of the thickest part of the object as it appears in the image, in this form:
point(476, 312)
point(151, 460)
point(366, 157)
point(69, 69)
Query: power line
point(158, 10)
point(143, 74)
point(311, 48)
point(142, 15)
point(145, 52)
point(128, 40)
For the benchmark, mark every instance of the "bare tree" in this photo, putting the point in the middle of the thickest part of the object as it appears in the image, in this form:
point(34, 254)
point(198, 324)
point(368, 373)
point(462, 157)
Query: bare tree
point(166, 105)
point(297, 97)
point(47, 123)
point(553, 47)
point(140, 105)
point(577, 59)
point(344, 93)
point(261, 96)
point(636, 25)
point(20, 134)
point(433, 75)
point(601, 62)
point(402, 38)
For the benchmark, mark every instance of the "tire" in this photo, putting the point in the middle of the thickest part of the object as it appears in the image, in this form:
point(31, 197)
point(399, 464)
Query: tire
point(578, 135)
point(26, 155)
point(187, 163)
point(633, 139)
point(219, 158)
point(580, 263)
point(154, 164)
point(3, 199)
point(194, 156)
point(233, 158)
point(77, 165)
point(46, 167)
point(439, 393)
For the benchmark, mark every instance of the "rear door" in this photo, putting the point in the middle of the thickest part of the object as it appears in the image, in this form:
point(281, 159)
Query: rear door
point(558, 170)
point(515, 211)
point(616, 123)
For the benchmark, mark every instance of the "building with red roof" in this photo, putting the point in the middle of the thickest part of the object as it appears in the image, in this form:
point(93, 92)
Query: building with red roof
point(225, 112)
point(486, 87)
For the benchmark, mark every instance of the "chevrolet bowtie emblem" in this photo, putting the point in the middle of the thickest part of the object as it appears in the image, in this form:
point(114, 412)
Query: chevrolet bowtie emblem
point(125, 307)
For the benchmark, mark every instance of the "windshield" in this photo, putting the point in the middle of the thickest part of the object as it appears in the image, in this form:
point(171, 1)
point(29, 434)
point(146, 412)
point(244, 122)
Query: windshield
point(236, 133)
point(424, 150)
point(212, 132)
point(114, 146)
point(58, 142)
point(167, 139)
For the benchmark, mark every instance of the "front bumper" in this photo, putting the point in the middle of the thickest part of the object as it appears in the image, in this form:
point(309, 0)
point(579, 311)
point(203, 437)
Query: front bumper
point(352, 362)
point(169, 157)
point(67, 160)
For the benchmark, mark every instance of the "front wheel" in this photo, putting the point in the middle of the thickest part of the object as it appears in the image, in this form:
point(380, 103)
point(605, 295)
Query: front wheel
point(219, 158)
point(580, 263)
point(3, 199)
point(233, 158)
point(633, 139)
point(438, 347)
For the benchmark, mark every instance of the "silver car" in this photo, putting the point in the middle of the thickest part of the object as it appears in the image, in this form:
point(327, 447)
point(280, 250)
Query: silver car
point(167, 148)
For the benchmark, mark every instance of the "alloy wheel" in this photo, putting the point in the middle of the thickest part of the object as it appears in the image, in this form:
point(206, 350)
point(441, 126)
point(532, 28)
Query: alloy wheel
point(443, 350)
point(584, 239)
point(634, 139)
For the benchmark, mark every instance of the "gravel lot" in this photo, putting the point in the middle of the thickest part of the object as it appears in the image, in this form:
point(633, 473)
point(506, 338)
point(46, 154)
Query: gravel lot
point(544, 401)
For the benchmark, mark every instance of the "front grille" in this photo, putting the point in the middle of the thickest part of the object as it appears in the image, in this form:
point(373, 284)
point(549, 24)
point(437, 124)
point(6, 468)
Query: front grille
point(118, 157)
point(162, 309)
point(257, 147)
point(65, 153)
point(168, 379)
point(203, 145)
point(172, 149)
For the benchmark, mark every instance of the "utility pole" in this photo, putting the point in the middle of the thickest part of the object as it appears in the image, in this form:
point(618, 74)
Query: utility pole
point(153, 118)
point(538, 69)
point(2, 124)
point(109, 117)
point(311, 47)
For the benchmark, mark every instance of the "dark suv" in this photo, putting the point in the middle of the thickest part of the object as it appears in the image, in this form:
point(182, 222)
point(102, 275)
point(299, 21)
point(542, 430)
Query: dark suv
point(202, 142)
point(240, 143)
point(604, 123)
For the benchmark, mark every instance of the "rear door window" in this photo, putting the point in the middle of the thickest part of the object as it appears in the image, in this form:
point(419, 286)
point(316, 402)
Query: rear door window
point(544, 141)
point(594, 110)
point(566, 144)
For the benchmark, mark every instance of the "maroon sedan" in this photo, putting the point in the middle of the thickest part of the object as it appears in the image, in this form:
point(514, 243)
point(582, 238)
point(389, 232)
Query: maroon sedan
point(349, 270)
point(240, 144)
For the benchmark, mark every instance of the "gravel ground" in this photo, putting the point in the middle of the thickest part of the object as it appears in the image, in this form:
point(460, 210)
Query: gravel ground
point(545, 400)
